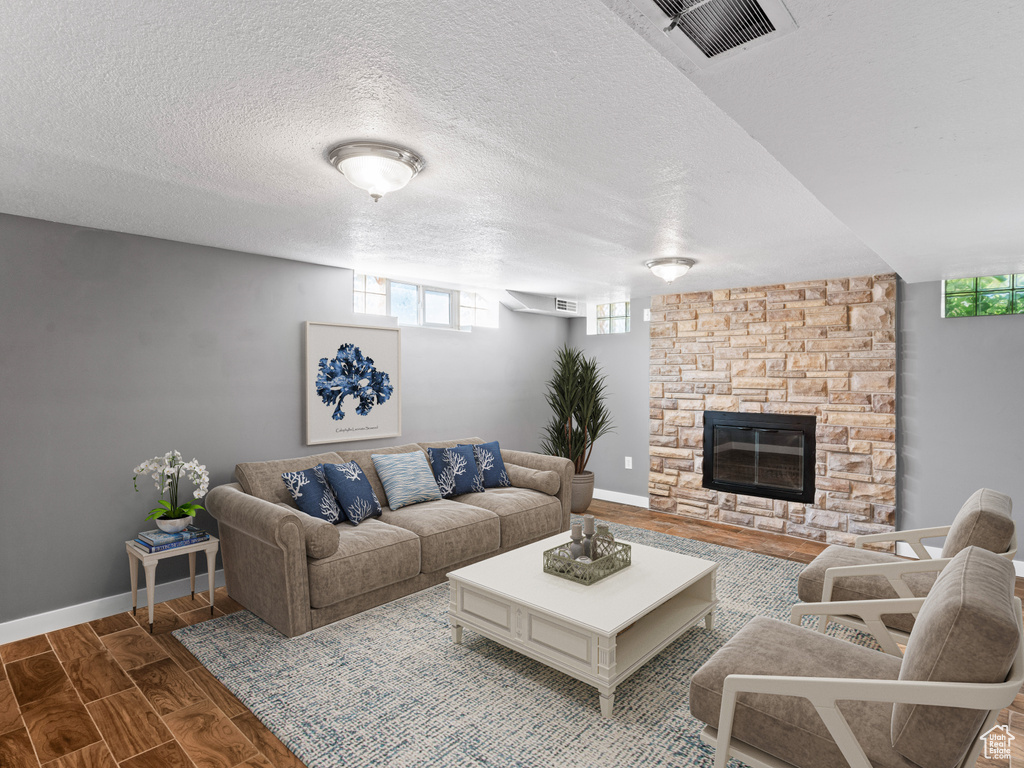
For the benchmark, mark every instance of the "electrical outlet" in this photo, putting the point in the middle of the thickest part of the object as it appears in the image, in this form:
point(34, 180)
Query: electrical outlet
point(629, 462)
point(647, 315)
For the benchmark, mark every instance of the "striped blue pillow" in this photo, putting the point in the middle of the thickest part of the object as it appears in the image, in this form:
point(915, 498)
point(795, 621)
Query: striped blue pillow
point(406, 478)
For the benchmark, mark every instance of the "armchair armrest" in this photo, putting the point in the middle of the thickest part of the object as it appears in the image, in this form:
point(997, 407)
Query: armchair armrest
point(892, 572)
point(912, 537)
point(825, 692)
point(560, 466)
point(869, 611)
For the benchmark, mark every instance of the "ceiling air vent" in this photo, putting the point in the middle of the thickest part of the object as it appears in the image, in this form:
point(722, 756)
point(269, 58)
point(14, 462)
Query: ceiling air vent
point(566, 305)
point(709, 31)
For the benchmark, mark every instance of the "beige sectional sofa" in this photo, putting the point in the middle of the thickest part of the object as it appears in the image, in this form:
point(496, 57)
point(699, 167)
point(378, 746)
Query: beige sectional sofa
point(298, 572)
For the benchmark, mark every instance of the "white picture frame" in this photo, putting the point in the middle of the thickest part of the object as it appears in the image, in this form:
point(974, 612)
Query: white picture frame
point(372, 353)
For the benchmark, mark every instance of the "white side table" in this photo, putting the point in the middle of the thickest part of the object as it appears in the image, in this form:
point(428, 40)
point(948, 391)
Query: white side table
point(150, 559)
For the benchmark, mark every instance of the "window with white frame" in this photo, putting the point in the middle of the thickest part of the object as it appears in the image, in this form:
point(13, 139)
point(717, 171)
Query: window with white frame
point(422, 305)
point(476, 310)
point(613, 317)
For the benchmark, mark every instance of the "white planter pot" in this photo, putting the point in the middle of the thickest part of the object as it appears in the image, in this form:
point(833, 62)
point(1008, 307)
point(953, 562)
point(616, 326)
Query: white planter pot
point(173, 525)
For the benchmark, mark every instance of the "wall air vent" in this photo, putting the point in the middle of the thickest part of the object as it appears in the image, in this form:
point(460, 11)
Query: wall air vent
point(566, 305)
point(518, 301)
point(709, 31)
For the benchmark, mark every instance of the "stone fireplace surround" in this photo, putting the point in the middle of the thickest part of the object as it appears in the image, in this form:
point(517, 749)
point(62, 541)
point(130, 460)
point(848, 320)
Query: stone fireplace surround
point(821, 347)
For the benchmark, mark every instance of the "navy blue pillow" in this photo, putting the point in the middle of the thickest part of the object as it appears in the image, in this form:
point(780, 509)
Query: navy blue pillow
point(455, 470)
point(489, 465)
point(354, 492)
point(311, 493)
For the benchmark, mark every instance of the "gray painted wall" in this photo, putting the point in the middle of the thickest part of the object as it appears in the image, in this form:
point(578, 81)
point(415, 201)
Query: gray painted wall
point(961, 421)
point(116, 348)
point(625, 358)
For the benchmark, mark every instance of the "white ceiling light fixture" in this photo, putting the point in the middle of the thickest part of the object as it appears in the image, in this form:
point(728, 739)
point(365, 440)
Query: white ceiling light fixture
point(376, 167)
point(669, 269)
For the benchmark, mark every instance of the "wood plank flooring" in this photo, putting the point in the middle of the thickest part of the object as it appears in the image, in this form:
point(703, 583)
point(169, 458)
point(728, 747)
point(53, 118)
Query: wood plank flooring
point(107, 694)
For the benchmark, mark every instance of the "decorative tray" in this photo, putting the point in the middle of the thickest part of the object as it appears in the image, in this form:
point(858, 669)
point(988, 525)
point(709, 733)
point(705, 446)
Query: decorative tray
point(611, 558)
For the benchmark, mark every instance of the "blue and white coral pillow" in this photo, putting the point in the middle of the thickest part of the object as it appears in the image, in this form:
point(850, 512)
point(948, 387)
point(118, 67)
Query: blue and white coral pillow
point(312, 494)
point(490, 465)
point(455, 471)
point(406, 478)
point(354, 492)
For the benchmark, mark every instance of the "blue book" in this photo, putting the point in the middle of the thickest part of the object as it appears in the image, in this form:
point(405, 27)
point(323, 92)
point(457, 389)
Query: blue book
point(158, 538)
point(150, 549)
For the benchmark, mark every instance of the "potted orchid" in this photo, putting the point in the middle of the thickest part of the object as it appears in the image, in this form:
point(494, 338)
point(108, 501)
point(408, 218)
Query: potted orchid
point(167, 470)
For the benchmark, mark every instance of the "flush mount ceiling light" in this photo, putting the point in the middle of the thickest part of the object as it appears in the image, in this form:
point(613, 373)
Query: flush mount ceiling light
point(378, 168)
point(669, 269)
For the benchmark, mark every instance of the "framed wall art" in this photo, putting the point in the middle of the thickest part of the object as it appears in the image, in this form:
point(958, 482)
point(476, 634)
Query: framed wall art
point(352, 383)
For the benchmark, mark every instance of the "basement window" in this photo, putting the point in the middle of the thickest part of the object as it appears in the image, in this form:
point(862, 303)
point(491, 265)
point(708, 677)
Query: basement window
point(613, 317)
point(422, 305)
point(981, 296)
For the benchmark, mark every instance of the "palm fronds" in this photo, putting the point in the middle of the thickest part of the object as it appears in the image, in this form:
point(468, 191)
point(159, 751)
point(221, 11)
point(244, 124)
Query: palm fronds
point(579, 416)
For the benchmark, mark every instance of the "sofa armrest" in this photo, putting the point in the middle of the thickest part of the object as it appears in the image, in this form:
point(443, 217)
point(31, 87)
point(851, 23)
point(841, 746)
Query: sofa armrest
point(561, 467)
point(263, 547)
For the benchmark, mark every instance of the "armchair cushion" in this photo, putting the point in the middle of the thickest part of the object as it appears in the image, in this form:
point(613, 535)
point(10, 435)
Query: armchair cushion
point(966, 632)
point(983, 521)
point(787, 726)
point(812, 581)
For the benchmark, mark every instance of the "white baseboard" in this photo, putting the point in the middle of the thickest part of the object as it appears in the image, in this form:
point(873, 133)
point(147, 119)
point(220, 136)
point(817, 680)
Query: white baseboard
point(29, 626)
point(622, 498)
point(904, 549)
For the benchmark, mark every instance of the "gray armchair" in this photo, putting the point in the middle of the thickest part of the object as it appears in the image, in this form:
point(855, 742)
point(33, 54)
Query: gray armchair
point(780, 695)
point(842, 574)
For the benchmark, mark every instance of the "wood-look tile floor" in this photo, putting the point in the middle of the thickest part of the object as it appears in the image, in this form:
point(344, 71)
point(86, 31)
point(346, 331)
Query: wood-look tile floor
point(107, 693)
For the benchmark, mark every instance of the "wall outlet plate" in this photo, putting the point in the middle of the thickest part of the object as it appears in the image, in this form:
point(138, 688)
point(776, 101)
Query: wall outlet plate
point(647, 315)
point(629, 462)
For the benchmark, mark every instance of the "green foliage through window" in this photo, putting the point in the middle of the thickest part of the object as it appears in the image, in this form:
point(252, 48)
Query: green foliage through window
point(978, 296)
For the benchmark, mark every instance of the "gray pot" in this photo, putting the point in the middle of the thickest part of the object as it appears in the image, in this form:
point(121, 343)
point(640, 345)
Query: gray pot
point(582, 492)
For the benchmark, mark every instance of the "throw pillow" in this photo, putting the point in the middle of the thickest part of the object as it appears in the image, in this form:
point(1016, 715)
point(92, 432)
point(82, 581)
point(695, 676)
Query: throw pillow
point(312, 494)
point(406, 478)
point(543, 480)
point(354, 492)
point(455, 471)
point(492, 468)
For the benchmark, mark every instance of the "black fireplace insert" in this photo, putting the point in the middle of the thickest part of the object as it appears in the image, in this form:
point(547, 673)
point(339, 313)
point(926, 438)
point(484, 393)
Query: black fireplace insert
point(760, 454)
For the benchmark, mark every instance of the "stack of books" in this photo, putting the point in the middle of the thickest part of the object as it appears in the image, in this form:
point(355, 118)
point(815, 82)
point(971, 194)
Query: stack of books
point(158, 541)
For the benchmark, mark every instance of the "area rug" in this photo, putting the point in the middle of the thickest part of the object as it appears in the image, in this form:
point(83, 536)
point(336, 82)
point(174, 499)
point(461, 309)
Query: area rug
point(388, 687)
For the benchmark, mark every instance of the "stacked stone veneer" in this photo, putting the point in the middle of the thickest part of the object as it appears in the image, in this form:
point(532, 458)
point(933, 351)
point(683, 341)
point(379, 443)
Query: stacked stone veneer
point(825, 347)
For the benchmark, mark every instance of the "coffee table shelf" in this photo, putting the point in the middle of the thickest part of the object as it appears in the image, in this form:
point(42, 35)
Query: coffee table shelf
point(599, 634)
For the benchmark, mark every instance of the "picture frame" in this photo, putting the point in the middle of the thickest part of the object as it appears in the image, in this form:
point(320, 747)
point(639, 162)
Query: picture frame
point(352, 383)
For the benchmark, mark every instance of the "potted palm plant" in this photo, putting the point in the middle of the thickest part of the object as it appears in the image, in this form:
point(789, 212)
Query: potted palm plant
point(579, 416)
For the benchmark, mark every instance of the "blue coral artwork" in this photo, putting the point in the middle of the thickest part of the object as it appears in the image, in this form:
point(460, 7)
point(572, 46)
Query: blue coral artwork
point(352, 383)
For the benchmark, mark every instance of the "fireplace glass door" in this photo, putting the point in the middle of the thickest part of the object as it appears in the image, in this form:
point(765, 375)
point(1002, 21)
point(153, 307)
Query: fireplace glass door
point(771, 458)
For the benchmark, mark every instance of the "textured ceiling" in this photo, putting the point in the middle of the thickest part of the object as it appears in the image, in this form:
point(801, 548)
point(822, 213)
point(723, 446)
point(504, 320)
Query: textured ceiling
point(562, 149)
point(905, 119)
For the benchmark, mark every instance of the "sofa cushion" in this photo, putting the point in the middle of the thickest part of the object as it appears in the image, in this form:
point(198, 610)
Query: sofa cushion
point(368, 557)
point(542, 480)
point(365, 461)
point(966, 632)
point(449, 532)
point(525, 515)
point(812, 581)
point(788, 727)
point(455, 470)
point(490, 465)
point(983, 521)
point(407, 479)
point(312, 494)
point(353, 491)
point(263, 480)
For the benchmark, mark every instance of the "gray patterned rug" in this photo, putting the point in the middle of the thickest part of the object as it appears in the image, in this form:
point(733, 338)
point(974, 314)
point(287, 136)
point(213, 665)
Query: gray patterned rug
point(389, 688)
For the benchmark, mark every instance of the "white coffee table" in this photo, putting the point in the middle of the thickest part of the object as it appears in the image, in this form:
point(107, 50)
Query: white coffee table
point(599, 634)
